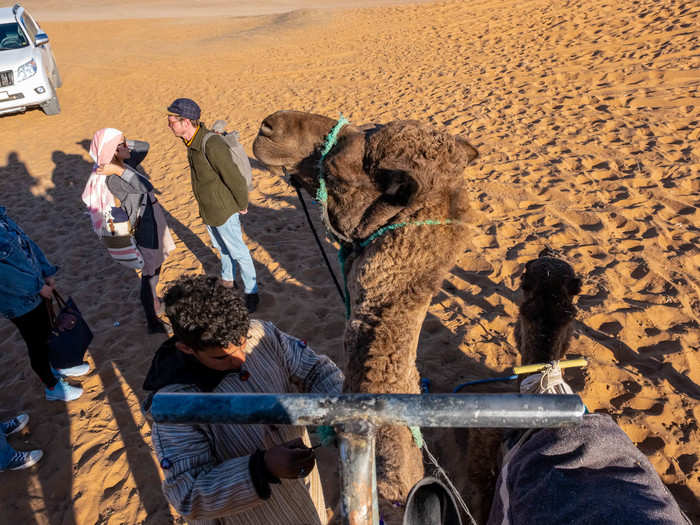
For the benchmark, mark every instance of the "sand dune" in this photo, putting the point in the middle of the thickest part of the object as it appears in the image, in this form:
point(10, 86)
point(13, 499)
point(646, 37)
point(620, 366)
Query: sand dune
point(586, 118)
point(71, 10)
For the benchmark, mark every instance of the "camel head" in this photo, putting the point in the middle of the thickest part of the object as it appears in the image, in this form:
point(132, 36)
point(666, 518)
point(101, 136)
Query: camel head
point(544, 326)
point(373, 173)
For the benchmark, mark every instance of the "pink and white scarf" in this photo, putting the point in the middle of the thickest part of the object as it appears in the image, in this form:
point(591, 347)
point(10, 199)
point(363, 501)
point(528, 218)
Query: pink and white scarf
point(96, 195)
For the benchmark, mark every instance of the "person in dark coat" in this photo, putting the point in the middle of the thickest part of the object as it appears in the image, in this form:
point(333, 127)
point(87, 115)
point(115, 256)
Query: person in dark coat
point(118, 191)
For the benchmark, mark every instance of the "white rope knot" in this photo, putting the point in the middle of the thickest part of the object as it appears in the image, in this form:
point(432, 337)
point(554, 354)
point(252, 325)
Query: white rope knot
point(548, 380)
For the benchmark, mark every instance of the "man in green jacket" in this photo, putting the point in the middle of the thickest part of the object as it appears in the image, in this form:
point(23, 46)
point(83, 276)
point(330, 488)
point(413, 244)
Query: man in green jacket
point(221, 192)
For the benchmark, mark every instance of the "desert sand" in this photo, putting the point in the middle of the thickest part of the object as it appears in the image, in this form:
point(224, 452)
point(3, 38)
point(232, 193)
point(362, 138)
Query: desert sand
point(586, 117)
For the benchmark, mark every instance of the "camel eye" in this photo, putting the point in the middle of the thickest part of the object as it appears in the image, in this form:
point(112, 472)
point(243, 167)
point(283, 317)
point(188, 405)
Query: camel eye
point(385, 177)
point(397, 186)
point(265, 129)
point(388, 181)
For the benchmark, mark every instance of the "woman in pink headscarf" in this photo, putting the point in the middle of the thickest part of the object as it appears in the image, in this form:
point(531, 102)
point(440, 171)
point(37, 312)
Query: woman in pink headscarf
point(118, 191)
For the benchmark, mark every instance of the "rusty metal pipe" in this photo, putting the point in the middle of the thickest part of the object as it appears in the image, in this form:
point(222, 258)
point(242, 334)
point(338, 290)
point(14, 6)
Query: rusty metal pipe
point(358, 491)
point(432, 410)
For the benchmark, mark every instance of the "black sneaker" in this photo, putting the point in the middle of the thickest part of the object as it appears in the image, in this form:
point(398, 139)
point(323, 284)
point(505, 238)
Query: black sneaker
point(251, 302)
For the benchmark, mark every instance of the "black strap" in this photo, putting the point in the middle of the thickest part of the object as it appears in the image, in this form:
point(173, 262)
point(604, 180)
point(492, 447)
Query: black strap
point(59, 299)
point(52, 313)
point(318, 241)
point(205, 138)
point(50, 308)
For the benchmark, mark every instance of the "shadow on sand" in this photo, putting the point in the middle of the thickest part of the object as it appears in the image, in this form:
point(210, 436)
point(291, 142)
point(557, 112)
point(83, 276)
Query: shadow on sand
point(57, 222)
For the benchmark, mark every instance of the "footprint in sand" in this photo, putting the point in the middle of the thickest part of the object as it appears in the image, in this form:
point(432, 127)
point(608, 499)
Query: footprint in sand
point(611, 327)
point(651, 445)
point(631, 245)
point(636, 269)
point(587, 221)
point(687, 462)
point(663, 348)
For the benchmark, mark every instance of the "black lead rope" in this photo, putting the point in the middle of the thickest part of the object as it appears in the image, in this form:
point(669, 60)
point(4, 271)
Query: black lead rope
point(313, 230)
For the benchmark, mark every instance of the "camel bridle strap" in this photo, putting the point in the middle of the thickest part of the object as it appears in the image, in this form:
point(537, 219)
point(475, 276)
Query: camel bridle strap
point(322, 191)
point(331, 139)
point(313, 230)
point(356, 247)
point(322, 198)
point(395, 226)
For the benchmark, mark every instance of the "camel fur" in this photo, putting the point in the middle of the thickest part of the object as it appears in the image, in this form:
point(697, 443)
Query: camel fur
point(403, 171)
point(543, 333)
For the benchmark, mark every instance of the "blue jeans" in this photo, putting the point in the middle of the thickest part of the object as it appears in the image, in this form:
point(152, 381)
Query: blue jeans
point(228, 239)
point(6, 451)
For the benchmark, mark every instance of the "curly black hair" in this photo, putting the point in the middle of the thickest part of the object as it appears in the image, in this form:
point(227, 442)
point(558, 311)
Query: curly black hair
point(204, 313)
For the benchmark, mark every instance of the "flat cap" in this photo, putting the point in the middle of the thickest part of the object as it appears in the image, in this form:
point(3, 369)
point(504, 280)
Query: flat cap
point(185, 108)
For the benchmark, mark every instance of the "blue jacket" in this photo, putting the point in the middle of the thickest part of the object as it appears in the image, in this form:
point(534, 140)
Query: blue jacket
point(23, 268)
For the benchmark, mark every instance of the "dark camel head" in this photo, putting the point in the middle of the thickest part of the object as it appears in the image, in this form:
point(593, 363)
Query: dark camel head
point(549, 277)
point(547, 313)
point(372, 174)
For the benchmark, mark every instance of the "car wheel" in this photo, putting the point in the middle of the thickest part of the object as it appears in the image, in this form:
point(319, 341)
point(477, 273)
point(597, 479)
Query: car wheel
point(56, 76)
point(51, 106)
point(57, 80)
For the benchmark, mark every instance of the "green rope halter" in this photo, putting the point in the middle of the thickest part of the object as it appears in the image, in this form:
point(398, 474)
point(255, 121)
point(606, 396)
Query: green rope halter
point(381, 231)
point(346, 250)
point(331, 139)
point(322, 197)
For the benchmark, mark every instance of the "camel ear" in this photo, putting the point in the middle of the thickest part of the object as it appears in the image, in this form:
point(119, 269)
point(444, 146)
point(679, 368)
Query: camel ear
point(574, 286)
point(526, 281)
point(547, 252)
point(468, 149)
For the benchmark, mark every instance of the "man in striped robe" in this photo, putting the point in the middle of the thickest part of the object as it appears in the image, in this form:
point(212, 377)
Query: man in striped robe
point(235, 474)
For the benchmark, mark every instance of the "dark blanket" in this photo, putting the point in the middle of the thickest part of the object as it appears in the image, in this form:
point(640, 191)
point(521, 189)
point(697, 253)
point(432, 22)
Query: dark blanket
point(586, 474)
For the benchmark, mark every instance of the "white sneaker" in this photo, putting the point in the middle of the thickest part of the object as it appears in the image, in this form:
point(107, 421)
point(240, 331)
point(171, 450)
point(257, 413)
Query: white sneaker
point(73, 371)
point(62, 391)
point(22, 460)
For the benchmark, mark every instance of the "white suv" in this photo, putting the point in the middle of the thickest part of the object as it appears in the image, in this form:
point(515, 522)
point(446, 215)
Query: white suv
point(28, 72)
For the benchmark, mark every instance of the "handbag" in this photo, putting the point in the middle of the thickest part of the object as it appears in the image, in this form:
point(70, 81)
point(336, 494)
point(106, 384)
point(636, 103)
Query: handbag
point(118, 238)
point(69, 335)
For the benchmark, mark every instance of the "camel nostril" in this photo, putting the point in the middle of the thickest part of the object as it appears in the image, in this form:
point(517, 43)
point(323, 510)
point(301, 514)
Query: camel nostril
point(277, 171)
